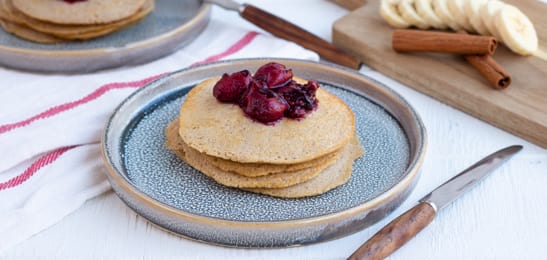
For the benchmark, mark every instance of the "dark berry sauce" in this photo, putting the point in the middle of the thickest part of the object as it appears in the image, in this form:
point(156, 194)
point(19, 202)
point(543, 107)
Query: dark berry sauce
point(269, 95)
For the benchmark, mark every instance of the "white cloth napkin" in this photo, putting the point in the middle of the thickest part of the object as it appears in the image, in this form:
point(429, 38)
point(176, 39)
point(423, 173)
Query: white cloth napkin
point(50, 126)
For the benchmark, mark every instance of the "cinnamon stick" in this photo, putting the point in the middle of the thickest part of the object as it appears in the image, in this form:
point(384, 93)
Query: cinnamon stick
point(490, 70)
point(427, 41)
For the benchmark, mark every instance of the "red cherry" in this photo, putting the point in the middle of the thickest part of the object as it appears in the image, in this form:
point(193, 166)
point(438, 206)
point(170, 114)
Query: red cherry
point(268, 96)
point(230, 88)
point(312, 86)
point(274, 74)
point(263, 104)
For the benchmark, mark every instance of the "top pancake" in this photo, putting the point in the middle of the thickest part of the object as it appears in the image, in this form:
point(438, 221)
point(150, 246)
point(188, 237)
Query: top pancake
point(85, 12)
point(222, 130)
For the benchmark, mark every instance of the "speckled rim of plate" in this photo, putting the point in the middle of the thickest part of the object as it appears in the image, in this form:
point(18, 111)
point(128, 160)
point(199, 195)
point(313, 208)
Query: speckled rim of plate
point(72, 61)
point(325, 227)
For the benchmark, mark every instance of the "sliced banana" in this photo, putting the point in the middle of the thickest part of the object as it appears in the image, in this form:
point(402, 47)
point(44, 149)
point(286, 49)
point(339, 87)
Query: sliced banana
point(425, 10)
point(488, 12)
point(516, 30)
point(486, 17)
point(390, 13)
point(441, 9)
point(472, 8)
point(408, 13)
point(456, 8)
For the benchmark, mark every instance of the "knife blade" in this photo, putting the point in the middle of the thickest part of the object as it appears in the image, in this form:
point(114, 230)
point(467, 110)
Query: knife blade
point(289, 31)
point(406, 226)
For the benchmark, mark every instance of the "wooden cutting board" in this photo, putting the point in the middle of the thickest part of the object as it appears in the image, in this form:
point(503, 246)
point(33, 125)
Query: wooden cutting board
point(520, 109)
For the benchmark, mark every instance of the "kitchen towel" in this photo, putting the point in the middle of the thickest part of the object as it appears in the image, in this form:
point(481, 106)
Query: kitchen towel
point(51, 125)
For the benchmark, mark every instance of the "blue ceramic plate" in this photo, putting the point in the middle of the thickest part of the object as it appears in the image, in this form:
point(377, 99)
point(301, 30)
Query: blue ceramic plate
point(171, 25)
point(170, 193)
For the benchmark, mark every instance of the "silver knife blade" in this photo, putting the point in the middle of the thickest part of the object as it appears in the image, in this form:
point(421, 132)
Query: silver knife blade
point(459, 184)
point(227, 4)
point(403, 228)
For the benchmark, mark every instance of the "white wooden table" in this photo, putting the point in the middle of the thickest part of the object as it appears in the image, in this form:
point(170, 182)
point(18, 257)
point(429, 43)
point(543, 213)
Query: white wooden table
point(504, 217)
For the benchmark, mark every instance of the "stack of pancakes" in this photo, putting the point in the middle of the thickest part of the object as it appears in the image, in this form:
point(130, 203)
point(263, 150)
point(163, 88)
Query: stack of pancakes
point(290, 159)
point(53, 21)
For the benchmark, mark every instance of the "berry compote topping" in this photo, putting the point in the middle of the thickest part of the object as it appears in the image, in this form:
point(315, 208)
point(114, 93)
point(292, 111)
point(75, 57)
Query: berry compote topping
point(300, 98)
point(230, 88)
point(263, 104)
point(274, 74)
point(269, 95)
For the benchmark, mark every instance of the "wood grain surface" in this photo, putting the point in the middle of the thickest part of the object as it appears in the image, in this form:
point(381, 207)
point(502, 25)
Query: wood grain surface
point(289, 31)
point(395, 234)
point(520, 109)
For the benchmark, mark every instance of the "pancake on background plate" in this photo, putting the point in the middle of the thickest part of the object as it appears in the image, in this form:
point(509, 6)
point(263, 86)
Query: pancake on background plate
point(80, 20)
point(78, 12)
point(10, 13)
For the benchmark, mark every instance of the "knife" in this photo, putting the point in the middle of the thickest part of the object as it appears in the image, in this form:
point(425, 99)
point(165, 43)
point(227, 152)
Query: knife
point(288, 31)
point(403, 228)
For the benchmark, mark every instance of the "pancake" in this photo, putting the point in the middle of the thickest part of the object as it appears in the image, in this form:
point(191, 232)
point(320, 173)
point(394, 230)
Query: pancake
point(172, 138)
point(230, 179)
point(85, 12)
point(113, 27)
point(223, 131)
point(28, 34)
point(8, 12)
point(332, 177)
point(174, 142)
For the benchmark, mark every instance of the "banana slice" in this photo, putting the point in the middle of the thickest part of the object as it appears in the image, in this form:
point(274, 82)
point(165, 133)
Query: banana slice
point(488, 12)
point(472, 8)
point(441, 9)
point(516, 30)
point(390, 13)
point(408, 13)
point(456, 8)
point(425, 10)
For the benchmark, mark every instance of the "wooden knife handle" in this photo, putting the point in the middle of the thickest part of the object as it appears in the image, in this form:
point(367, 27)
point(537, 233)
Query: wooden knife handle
point(396, 233)
point(286, 30)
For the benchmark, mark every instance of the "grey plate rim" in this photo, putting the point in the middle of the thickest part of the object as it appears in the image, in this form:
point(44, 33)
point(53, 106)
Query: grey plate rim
point(353, 217)
point(11, 56)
